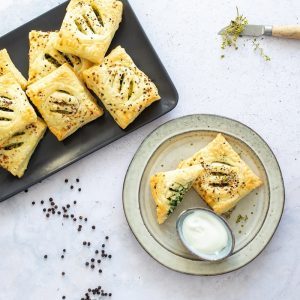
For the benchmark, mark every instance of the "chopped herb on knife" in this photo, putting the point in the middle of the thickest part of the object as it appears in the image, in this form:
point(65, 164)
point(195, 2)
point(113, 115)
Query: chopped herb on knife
point(233, 31)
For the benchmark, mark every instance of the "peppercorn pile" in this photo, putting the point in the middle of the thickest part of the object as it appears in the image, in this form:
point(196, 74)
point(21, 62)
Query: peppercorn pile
point(98, 250)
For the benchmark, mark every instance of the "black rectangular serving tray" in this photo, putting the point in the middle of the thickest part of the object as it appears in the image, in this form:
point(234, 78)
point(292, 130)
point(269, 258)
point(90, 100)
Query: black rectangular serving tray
point(51, 155)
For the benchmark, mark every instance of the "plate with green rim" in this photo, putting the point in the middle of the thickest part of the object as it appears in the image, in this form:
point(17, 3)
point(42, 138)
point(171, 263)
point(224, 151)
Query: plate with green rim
point(253, 221)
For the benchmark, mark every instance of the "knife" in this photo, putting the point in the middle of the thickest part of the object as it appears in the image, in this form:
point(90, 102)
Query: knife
point(282, 31)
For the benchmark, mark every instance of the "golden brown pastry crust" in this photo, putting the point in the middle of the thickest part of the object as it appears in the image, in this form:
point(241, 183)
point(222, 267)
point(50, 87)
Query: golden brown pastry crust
point(7, 66)
point(124, 89)
point(89, 27)
point(169, 188)
point(17, 151)
point(45, 58)
point(64, 102)
point(37, 43)
point(226, 179)
point(15, 110)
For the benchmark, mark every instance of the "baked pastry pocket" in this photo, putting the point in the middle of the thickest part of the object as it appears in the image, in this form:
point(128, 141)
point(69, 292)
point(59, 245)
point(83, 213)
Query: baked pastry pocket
point(7, 66)
point(64, 102)
point(169, 188)
point(89, 27)
point(17, 151)
point(124, 89)
point(44, 59)
point(226, 178)
point(15, 110)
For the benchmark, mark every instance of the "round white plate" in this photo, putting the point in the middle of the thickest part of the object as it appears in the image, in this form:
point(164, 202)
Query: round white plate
point(253, 221)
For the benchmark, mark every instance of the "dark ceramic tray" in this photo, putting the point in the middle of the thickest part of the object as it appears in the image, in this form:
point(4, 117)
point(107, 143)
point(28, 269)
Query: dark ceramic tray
point(51, 155)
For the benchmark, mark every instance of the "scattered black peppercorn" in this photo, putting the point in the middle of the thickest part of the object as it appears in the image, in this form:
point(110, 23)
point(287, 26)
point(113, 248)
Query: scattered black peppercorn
point(99, 261)
point(63, 273)
point(62, 257)
point(89, 244)
point(93, 227)
point(77, 180)
point(84, 243)
point(47, 215)
point(85, 219)
point(50, 199)
point(103, 245)
point(93, 259)
point(107, 237)
point(71, 187)
point(26, 191)
point(109, 256)
point(110, 294)
point(45, 256)
point(44, 210)
point(33, 203)
point(97, 251)
point(79, 190)
point(87, 263)
point(68, 205)
point(66, 180)
point(42, 202)
point(63, 297)
point(92, 266)
point(64, 250)
point(100, 271)
point(74, 202)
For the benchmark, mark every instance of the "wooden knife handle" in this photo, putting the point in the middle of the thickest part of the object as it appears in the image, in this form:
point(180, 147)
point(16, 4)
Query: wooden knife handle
point(287, 31)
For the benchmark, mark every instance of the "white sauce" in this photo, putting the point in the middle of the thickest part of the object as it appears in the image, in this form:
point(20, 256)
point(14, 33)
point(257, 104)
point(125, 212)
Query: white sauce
point(204, 232)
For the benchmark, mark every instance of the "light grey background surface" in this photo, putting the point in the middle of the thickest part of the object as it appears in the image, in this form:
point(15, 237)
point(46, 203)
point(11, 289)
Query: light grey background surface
point(265, 96)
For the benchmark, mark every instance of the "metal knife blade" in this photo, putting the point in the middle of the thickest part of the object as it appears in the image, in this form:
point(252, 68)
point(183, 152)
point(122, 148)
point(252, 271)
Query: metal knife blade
point(253, 30)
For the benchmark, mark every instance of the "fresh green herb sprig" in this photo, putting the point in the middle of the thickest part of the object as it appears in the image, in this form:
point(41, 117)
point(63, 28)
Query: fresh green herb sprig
point(233, 31)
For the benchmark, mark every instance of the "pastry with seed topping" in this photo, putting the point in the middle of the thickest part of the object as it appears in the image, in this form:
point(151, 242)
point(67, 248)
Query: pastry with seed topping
point(15, 110)
point(46, 58)
point(7, 66)
point(124, 89)
point(64, 102)
point(89, 27)
point(226, 178)
point(16, 152)
point(169, 188)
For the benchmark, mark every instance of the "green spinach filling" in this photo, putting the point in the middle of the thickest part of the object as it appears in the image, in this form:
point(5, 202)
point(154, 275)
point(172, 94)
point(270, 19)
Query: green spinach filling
point(178, 190)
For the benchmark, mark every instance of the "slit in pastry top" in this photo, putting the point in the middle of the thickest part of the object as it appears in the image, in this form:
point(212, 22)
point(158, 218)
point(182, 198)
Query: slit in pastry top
point(122, 87)
point(226, 178)
point(89, 27)
point(15, 110)
point(47, 58)
point(64, 102)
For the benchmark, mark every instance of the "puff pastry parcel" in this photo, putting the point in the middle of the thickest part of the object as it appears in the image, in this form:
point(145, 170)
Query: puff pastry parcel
point(169, 188)
point(226, 179)
point(122, 87)
point(7, 66)
point(17, 151)
point(37, 43)
point(46, 58)
point(64, 102)
point(89, 27)
point(15, 110)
